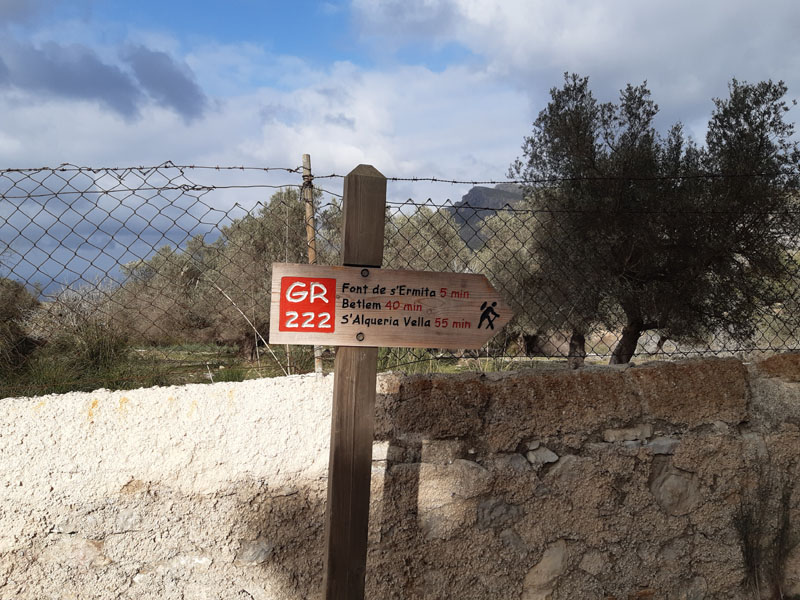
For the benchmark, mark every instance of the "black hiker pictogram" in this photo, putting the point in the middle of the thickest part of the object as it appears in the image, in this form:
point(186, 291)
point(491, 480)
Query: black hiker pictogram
point(488, 315)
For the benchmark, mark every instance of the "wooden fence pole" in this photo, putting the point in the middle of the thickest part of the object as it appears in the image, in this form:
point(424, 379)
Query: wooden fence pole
point(308, 198)
point(353, 416)
point(311, 236)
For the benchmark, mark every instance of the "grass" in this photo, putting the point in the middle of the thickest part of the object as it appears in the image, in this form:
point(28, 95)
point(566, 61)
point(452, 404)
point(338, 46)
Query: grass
point(82, 357)
point(94, 358)
point(55, 375)
point(425, 361)
point(234, 373)
point(91, 356)
point(98, 360)
point(413, 360)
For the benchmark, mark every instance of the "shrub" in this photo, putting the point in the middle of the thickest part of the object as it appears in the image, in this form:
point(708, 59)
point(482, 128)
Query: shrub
point(16, 303)
point(232, 373)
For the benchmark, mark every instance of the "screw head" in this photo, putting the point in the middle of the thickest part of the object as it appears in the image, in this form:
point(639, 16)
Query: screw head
point(360, 337)
point(365, 272)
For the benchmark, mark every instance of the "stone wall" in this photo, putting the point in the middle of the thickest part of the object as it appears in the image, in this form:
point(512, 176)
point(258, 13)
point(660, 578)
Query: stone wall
point(598, 483)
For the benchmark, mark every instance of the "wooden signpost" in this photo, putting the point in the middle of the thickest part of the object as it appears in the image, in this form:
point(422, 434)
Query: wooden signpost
point(359, 307)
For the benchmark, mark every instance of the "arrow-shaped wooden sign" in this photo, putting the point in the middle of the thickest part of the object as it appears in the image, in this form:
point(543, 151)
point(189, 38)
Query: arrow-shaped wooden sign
point(355, 306)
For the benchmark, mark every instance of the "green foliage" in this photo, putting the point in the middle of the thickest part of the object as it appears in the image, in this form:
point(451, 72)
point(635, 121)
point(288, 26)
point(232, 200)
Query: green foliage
point(507, 260)
point(634, 237)
point(198, 294)
point(426, 239)
point(16, 303)
point(232, 373)
point(184, 303)
point(160, 299)
point(329, 233)
point(414, 360)
point(80, 349)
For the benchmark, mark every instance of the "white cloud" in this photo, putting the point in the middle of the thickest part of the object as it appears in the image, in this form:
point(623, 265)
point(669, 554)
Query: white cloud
point(231, 69)
point(463, 121)
point(407, 121)
point(686, 50)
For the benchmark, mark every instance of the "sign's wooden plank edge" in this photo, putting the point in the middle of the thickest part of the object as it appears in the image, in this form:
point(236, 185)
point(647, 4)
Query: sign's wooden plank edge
point(305, 270)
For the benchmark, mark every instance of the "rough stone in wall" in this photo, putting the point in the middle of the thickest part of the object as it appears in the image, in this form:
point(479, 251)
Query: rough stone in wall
point(693, 393)
point(542, 456)
point(628, 434)
point(786, 366)
point(792, 582)
point(675, 491)
point(598, 483)
point(576, 405)
point(542, 578)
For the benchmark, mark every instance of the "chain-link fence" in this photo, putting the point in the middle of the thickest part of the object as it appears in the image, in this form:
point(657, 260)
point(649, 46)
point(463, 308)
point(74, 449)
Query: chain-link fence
point(143, 276)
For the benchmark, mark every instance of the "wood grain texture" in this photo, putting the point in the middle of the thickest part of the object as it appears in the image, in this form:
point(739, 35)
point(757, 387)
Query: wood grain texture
point(353, 416)
point(350, 463)
point(363, 214)
point(308, 199)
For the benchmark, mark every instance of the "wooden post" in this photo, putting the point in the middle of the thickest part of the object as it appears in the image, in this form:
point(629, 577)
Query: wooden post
point(311, 236)
point(353, 417)
point(308, 197)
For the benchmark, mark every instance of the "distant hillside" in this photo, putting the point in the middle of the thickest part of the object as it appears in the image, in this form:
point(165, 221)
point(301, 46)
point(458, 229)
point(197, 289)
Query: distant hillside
point(480, 203)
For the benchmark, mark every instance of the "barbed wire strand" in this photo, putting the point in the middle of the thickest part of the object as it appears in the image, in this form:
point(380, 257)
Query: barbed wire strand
point(69, 167)
point(541, 180)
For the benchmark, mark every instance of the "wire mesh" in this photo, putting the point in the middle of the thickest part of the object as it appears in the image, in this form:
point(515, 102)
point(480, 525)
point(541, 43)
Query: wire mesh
point(123, 277)
point(570, 293)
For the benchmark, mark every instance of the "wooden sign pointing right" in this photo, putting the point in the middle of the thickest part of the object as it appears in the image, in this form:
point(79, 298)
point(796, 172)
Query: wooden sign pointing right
point(354, 306)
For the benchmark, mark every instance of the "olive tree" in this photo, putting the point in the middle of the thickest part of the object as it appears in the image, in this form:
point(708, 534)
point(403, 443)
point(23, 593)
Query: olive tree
point(648, 232)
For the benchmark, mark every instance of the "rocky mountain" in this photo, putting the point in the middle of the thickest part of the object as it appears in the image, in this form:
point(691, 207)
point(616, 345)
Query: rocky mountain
point(480, 203)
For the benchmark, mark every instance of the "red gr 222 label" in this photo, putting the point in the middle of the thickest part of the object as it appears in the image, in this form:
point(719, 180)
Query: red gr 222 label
point(307, 304)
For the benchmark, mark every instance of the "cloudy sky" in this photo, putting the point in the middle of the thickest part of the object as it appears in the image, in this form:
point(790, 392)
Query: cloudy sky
point(444, 88)
point(417, 88)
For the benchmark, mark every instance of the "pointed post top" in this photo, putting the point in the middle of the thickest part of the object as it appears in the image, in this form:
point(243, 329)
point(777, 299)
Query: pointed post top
point(363, 216)
point(366, 171)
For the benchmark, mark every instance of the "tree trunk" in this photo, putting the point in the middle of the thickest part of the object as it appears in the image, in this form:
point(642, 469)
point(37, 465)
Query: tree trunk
point(626, 347)
point(577, 349)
